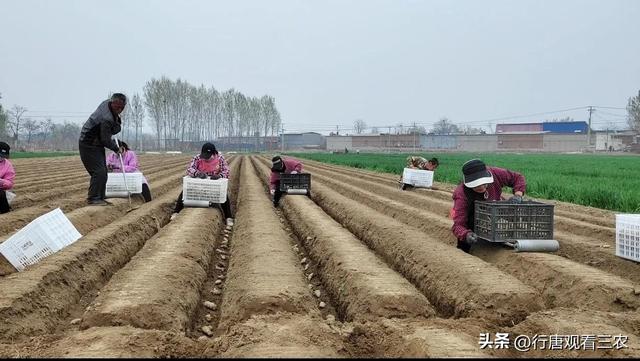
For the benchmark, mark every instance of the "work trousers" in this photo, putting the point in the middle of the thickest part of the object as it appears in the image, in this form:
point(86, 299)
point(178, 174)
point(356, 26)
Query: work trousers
point(4, 203)
point(94, 161)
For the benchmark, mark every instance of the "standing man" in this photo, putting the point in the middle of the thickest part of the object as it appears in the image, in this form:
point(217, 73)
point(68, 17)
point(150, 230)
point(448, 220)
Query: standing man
point(94, 137)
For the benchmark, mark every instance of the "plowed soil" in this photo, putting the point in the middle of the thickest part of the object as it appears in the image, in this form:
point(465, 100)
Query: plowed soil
point(357, 269)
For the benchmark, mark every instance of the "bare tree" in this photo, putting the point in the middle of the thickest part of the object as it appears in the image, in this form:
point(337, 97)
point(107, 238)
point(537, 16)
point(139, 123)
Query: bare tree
point(359, 126)
point(445, 126)
point(633, 112)
point(47, 128)
point(16, 113)
point(30, 126)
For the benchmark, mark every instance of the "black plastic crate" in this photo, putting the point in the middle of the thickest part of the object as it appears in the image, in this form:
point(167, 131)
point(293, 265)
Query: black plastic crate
point(295, 181)
point(500, 221)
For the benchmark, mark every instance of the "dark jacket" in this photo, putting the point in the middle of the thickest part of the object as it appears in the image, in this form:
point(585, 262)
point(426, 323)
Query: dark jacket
point(100, 126)
point(464, 198)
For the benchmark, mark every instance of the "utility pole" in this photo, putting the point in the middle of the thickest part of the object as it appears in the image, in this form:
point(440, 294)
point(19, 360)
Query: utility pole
point(282, 127)
point(337, 130)
point(591, 110)
point(389, 139)
point(414, 136)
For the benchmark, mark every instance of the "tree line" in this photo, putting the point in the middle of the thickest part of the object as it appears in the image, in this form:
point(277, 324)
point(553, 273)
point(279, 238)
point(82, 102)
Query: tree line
point(177, 111)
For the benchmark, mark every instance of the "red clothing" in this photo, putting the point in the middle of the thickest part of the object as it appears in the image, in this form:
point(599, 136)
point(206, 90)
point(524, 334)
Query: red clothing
point(290, 165)
point(501, 177)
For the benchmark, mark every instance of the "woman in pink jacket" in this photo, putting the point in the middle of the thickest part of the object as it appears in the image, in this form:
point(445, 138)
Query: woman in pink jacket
point(130, 161)
point(281, 165)
point(7, 175)
point(480, 183)
point(208, 164)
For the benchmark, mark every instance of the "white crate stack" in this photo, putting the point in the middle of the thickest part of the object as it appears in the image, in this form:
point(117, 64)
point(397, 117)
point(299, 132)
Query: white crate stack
point(198, 192)
point(116, 187)
point(417, 177)
point(628, 236)
point(42, 237)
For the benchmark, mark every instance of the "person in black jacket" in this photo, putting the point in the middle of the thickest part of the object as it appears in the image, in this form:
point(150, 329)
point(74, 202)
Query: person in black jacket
point(95, 136)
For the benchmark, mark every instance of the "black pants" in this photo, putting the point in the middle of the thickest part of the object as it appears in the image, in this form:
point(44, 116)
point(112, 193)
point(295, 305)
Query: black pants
point(95, 163)
point(146, 192)
point(4, 203)
point(463, 245)
point(226, 207)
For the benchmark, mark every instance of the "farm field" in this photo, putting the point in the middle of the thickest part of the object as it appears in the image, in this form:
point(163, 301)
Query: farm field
point(602, 181)
point(359, 269)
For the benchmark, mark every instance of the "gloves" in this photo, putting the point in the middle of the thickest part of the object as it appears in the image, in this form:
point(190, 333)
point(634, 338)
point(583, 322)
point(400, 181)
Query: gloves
point(109, 167)
point(294, 172)
point(200, 175)
point(273, 192)
point(215, 176)
point(516, 199)
point(472, 238)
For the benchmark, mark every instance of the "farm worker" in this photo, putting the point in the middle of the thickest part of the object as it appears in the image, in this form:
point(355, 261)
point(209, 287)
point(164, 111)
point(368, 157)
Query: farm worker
point(209, 163)
point(95, 136)
point(480, 183)
point(281, 165)
point(415, 162)
point(130, 161)
point(7, 175)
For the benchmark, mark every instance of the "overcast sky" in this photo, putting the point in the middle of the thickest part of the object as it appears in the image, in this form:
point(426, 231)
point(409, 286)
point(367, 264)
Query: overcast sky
point(328, 63)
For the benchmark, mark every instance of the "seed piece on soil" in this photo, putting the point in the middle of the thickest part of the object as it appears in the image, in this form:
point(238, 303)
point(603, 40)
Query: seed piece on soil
point(220, 250)
point(321, 304)
point(219, 268)
point(309, 239)
point(207, 330)
point(216, 291)
point(210, 305)
point(306, 266)
point(203, 338)
point(207, 317)
point(228, 228)
point(316, 293)
point(310, 276)
point(223, 257)
point(217, 282)
point(331, 318)
point(310, 286)
point(221, 277)
point(76, 321)
point(636, 291)
point(303, 260)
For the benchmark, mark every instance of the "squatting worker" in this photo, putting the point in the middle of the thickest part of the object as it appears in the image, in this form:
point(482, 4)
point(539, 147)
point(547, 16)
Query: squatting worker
point(95, 136)
point(480, 183)
point(130, 162)
point(208, 164)
point(415, 162)
point(7, 176)
point(281, 165)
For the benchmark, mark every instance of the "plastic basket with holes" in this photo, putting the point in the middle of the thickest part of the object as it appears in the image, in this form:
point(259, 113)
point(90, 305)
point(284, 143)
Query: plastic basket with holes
point(417, 177)
point(42, 237)
point(116, 187)
point(196, 189)
point(628, 236)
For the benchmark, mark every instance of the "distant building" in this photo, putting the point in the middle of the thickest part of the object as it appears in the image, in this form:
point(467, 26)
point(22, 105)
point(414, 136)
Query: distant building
point(308, 140)
point(544, 127)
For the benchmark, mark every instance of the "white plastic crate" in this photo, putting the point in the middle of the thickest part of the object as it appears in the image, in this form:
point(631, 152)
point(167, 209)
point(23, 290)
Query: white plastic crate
point(42, 237)
point(417, 177)
point(204, 190)
point(116, 187)
point(628, 236)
